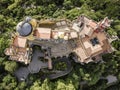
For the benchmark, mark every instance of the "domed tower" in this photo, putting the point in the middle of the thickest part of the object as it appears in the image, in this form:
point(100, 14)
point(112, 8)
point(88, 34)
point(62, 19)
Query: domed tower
point(24, 28)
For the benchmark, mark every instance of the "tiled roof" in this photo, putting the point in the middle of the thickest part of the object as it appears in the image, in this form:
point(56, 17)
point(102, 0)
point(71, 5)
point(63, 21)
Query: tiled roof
point(92, 24)
point(73, 34)
point(20, 42)
point(43, 33)
point(80, 52)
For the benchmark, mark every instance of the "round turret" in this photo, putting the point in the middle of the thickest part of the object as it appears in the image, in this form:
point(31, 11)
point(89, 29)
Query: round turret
point(28, 19)
point(24, 28)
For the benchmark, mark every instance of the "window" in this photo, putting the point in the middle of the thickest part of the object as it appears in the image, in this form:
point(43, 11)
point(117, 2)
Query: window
point(61, 23)
point(94, 41)
point(80, 24)
point(93, 58)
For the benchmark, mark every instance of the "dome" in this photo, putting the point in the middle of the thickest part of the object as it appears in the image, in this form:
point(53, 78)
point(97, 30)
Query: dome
point(33, 22)
point(24, 28)
point(28, 19)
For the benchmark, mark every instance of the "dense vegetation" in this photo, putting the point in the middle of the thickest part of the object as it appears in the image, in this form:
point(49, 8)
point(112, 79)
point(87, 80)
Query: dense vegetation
point(13, 11)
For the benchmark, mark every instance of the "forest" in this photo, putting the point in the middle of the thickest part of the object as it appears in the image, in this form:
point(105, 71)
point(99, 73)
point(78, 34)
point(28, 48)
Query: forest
point(13, 11)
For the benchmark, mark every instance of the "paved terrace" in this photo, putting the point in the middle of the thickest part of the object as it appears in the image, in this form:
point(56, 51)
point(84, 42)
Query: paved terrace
point(35, 66)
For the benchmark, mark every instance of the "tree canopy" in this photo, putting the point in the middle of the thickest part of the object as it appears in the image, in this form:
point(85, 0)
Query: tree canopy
point(13, 11)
